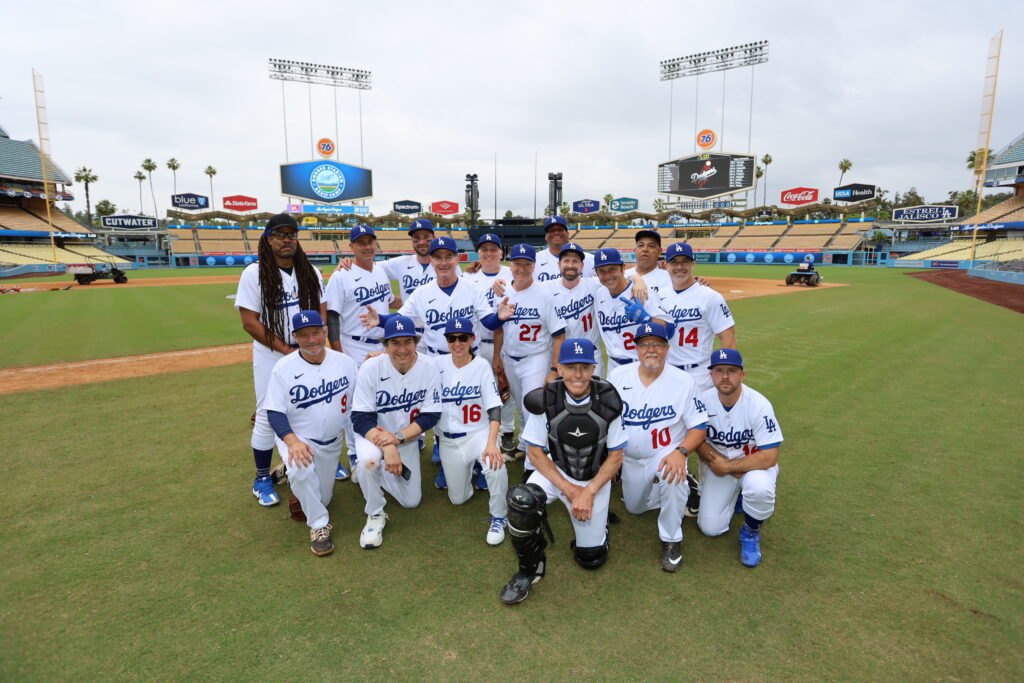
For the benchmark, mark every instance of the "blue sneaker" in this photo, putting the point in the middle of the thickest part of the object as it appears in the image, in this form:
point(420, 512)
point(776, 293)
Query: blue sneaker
point(738, 510)
point(435, 457)
point(341, 474)
point(263, 489)
point(750, 546)
point(480, 481)
point(440, 481)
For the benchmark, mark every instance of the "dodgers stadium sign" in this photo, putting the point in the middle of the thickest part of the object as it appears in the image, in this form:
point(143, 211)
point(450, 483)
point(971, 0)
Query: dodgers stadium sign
point(326, 182)
point(128, 222)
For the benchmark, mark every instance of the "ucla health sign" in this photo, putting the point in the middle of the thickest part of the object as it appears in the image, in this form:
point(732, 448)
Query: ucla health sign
point(190, 201)
point(326, 182)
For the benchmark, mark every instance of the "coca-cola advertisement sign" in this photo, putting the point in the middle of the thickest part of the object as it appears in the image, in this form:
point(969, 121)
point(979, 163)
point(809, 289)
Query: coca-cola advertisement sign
point(800, 195)
point(240, 202)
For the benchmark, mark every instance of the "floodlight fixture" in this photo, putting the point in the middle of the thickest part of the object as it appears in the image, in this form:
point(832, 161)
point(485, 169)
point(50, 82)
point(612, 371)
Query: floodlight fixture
point(320, 74)
point(699, 63)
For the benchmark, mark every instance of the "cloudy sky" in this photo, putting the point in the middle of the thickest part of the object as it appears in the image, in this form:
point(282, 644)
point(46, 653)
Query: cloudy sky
point(893, 86)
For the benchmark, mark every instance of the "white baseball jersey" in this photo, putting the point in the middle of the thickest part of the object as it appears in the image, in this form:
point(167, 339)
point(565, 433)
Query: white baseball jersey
point(658, 280)
point(349, 292)
point(547, 266)
point(616, 329)
point(741, 430)
point(699, 314)
point(534, 322)
point(576, 307)
point(431, 307)
point(465, 394)
point(657, 417)
point(484, 281)
point(316, 397)
point(408, 273)
point(249, 297)
point(397, 399)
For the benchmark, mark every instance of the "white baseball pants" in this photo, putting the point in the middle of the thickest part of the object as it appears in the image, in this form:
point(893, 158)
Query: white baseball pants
point(641, 493)
point(313, 484)
point(458, 457)
point(263, 360)
point(592, 532)
point(525, 375)
point(374, 480)
point(719, 493)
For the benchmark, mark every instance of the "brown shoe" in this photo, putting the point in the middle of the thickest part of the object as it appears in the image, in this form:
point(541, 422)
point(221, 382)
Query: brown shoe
point(320, 541)
point(295, 509)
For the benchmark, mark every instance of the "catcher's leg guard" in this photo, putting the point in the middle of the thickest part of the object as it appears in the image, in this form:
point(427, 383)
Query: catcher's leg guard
point(526, 509)
point(590, 558)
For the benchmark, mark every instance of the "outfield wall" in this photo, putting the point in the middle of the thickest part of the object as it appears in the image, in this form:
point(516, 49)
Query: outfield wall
point(1012, 277)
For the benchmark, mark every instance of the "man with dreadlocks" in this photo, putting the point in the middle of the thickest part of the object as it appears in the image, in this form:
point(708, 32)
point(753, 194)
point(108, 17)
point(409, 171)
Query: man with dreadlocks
point(281, 282)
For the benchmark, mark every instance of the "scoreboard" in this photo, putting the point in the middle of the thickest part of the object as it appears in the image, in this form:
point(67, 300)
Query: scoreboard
point(707, 175)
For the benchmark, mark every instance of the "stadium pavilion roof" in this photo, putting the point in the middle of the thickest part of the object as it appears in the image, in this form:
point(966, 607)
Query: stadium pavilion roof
point(1013, 153)
point(19, 160)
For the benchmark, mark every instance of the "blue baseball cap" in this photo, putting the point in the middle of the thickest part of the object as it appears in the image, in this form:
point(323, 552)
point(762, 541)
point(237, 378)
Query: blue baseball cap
point(361, 230)
point(571, 247)
point(420, 224)
point(651, 329)
point(555, 220)
point(443, 243)
point(458, 326)
point(679, 249)
point(281, 220)
point(522, 251)
point(726, 357)
point(399, 326)
point(306, 319)
point(489, 238)
point(647, 232)
point(576, 351)
point(609, 256)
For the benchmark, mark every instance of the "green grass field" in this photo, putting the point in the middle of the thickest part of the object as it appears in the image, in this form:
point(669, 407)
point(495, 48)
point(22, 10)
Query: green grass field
point(132, 548)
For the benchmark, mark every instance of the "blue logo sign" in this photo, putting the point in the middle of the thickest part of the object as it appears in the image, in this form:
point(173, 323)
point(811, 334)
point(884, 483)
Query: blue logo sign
point(926, 212)
point(326, 181)
point(407, 206)
point(585, 206)
point(854, 192)
point(625, 204)
point(190, 201)
point(358, 210)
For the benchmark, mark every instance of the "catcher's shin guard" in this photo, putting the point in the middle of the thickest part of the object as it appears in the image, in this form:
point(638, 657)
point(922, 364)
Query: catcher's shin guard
point(590, 558)
point(526, 517)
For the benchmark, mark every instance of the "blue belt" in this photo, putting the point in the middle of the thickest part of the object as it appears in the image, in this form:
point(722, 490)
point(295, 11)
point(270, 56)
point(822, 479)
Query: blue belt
point(364, 340)
point(622, 361)
point(487, 341)
point(440, 351)
point(516, 358)
point(453, 436)
point(294, 346)
point(324, 443)
point(688, 367)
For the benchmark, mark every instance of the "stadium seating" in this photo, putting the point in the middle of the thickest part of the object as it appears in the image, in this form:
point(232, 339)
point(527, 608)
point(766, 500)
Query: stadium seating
point(763, 230)
point(846, 242)
point(389, 241)
point(815, 229)
point(229, 246)
point(727, 231)
point(590, 243)
point(60, 220)
point(31, 254)
point(459, 235)
point(744, 241)
point(708, 243)
point(849, 228)
point(935, 252)
point(16, 219)
point(93, 252)
point(802, 242)
point(15, 258)
point(1000, 213)
point(621, 243)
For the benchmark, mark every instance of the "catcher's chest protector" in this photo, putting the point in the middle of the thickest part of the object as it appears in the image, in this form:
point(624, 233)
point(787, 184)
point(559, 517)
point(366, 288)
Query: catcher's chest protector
point(578, 435)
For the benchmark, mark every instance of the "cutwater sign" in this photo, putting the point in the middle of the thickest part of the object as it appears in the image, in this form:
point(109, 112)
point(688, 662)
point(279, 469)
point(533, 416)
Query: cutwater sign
point(190, 201)
point(625, 204)
point(585, 206)
point(128, 222)
point(407, 206)
point(326, 181)
point(926, 212)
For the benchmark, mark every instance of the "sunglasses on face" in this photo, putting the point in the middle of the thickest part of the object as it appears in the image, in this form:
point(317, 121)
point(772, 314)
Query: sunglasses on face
point(457, 337)
point(284, 235)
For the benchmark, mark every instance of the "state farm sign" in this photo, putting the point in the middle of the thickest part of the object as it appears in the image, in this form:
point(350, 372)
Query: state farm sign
point(800, 195)
point(240, 202)
point(445, 208)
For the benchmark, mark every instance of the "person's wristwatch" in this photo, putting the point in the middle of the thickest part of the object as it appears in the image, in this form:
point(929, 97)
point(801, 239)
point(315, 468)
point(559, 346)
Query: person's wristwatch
point(400, 436)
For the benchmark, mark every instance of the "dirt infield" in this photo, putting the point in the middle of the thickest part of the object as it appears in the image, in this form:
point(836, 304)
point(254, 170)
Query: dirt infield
point(141, 282)
point(106, 369)
point(1002, 294)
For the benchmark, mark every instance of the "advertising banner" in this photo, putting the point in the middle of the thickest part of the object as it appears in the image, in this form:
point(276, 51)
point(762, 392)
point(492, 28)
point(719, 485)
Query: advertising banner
point(127, 222)
point(445, 208)
point(407, 206)
point(586, 206)
point(799, 195)
point(190, 201)
point(926, 213)
point(769, 257)
point(625, 204)
point(854, 192)
point(239, 202)
point(326, 182)
point(346, 209)
point(704, 176)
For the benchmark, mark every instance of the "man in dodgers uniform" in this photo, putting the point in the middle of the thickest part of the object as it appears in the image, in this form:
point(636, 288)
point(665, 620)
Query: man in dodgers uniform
point(664, 420)
point(574, 296)
point(348, 294)
point(740, 456)
point(491, 268)
point(281, 282)
point(396, 400)
point(647, 252)
point(577, 418)
point(556, 234)
point(308, 402)
point(470, 416)
point(533, 335)
point(412, 271)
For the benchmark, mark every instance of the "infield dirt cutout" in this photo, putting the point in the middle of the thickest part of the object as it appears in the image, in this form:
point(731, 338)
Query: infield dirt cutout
point(106, 369)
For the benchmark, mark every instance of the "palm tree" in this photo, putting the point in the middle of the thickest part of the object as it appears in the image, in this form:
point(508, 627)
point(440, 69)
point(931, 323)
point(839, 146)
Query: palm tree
point(138, 176)
point(211, 171)
point(844, 166)
point(758, 174)
point(173, 164)
point(564, 209)
point(972, 160)
point(148, 165)
point(766, 160)
point(86, 176)
point(608, 202)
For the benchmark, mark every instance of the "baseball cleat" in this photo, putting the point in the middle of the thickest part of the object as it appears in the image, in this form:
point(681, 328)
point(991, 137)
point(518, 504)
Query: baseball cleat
point(516, 590)
point(373, 531)
point(295, 509)
point(479, 481)
point(320, 541)
point(440, 481)
point(693, 500)
point(508, 443)
point(496, 531)
point(263, 489)
point(671, 555)
point(435, 457)
point(341, 474)
point(750, 546)
point(279, 475)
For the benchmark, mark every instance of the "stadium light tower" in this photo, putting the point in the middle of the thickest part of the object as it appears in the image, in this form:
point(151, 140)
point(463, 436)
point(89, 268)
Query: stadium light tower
point(737, 57)
point(554, 192)
point(321, 74)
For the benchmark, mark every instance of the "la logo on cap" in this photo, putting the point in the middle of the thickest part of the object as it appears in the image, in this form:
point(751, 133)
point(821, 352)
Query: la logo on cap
point(522, 250)
point(398, 325)
point(722, 355)
point(458, 324)
point(577, 348)
point(604, 257)
point(305, 319)
point(647, 328)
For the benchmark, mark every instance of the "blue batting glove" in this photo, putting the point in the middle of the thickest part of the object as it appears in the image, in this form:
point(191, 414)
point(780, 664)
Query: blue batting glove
point(635, 310)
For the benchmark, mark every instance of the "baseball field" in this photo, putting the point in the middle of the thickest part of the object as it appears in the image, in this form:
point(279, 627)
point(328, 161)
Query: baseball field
point(132, 548)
